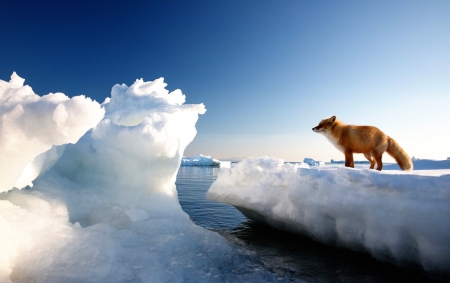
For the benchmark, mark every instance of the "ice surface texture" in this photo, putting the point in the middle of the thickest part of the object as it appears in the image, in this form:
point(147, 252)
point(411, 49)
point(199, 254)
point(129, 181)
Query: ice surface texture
point(103, 206)
point(30, 125)
point(397, 216)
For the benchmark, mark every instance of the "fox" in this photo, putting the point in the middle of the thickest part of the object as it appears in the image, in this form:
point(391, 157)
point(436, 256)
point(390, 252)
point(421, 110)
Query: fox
point(367, 140)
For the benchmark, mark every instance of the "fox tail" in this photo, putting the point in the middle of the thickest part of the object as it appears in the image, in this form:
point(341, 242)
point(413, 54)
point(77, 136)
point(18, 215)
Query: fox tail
point(402, 158)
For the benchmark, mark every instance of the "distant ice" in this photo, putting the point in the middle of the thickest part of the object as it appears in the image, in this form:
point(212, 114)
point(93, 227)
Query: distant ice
point(203, 160)
point(423, 164)
point(312, 162)
point(103, 206)
point(333, 161)
point(394, 215)
point(199, 160)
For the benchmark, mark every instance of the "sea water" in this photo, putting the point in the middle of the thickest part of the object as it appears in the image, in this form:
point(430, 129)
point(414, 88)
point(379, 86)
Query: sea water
point(292, 257)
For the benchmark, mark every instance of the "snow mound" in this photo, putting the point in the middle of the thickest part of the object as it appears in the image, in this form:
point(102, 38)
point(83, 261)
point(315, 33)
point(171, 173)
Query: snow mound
point(393, 215)
point(103, 207)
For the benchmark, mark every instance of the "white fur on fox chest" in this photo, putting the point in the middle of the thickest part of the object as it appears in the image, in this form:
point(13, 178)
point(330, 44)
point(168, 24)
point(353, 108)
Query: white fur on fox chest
point(333, 140)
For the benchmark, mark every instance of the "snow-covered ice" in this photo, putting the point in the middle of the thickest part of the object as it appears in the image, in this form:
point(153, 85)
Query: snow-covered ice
point(30, 125)
point(397, 216)
point(103, 204)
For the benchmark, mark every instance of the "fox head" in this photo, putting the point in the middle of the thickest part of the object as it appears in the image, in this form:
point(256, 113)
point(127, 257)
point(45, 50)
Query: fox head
point(325, 126)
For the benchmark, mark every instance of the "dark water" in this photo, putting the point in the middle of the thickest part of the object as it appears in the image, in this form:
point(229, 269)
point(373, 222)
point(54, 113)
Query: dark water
point(291, 256)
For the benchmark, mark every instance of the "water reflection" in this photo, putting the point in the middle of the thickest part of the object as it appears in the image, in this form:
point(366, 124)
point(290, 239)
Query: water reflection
point(192, 184)
point(295, 256)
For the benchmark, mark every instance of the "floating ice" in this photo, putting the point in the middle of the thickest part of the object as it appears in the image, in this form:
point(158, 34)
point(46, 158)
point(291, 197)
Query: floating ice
point(312, 162)
point(393, 215)
point(105, 209)
point(200, 160)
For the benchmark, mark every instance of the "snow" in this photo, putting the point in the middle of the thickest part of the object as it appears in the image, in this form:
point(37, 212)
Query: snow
point(394, 215)
point(103, 205)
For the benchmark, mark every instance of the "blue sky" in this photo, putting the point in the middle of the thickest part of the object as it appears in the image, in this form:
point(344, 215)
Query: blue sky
point(267, 71)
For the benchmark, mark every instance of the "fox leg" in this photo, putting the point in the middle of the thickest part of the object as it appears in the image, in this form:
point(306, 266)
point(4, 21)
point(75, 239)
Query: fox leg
point(349, 159)
point(371, 160)
point(378, 160)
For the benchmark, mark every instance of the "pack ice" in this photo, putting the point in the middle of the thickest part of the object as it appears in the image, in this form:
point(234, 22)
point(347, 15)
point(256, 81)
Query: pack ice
point(395, 216)
point(87, 191)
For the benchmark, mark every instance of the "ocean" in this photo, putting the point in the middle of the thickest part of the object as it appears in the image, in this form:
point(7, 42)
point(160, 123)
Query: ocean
point(290, 256)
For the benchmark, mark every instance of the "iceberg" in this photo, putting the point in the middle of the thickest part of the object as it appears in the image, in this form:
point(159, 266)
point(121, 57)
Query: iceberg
point(199, 160)
point(312, 162)
point(87, 191)
point(397, 216)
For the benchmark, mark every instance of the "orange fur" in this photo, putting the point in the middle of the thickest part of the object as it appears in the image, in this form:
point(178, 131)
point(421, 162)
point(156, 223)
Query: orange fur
point(367, 140)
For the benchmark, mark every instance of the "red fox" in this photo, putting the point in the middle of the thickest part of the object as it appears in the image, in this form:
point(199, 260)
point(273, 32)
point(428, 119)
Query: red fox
point(367, 140)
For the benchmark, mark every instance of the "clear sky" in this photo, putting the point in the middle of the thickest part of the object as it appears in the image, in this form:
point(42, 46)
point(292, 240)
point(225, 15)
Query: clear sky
point(267, 71)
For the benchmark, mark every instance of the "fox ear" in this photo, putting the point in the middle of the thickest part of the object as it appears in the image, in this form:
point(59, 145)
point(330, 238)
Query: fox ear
point(332, 119)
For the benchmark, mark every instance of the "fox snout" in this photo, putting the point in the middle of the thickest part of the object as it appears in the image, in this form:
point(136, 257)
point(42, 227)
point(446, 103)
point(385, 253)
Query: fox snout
point(316, 129)
point(325, 125)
